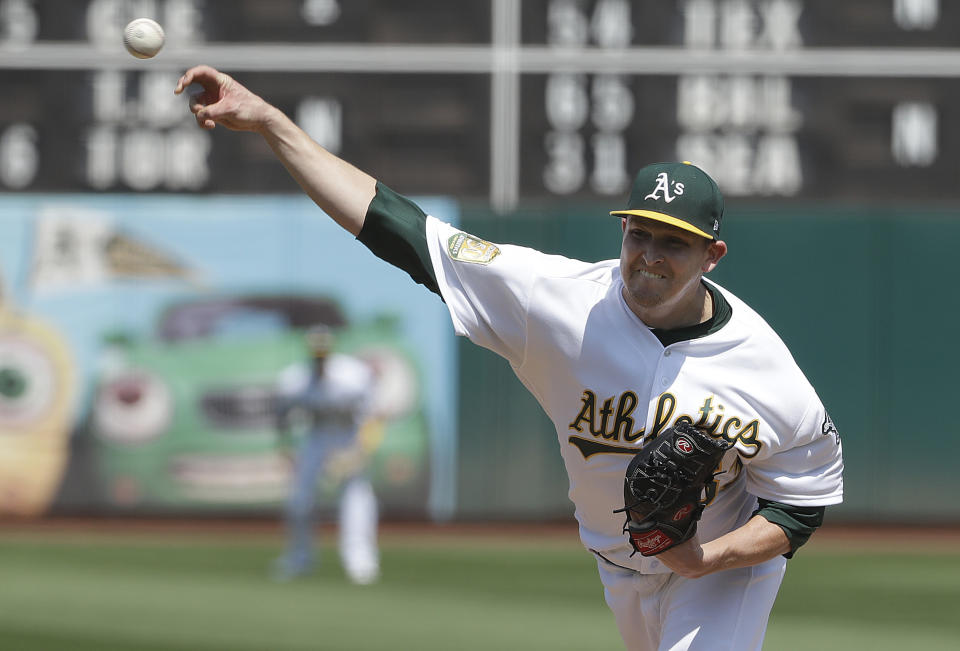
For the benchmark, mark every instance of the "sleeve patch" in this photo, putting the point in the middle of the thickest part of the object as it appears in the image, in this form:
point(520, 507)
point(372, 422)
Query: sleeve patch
point(467, 248)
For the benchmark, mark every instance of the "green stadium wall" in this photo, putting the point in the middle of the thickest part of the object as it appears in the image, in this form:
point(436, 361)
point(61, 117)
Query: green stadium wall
point(863, 297)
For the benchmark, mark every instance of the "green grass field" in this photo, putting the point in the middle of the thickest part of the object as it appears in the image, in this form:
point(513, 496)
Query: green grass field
point(179, 591)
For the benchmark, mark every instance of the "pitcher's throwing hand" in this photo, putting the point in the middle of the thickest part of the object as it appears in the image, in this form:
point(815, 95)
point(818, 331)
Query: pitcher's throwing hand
point(223, 101)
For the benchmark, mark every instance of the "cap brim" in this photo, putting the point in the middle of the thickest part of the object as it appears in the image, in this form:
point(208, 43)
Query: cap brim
point(667, 219)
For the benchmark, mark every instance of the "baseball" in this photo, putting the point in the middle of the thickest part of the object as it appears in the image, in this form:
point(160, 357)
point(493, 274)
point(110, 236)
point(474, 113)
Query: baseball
point(143, 38)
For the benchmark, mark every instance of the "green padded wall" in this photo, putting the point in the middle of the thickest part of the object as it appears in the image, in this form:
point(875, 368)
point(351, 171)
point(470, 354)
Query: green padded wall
point(862, 296)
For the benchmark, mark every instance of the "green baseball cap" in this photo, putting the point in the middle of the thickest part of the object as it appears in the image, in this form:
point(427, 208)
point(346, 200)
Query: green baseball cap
point(679, 194)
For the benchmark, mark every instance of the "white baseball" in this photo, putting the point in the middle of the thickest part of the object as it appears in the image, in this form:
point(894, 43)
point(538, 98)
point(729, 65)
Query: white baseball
point(143, 38)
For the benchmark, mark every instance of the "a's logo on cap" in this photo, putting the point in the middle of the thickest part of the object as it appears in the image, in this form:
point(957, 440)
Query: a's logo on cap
point(663, 185)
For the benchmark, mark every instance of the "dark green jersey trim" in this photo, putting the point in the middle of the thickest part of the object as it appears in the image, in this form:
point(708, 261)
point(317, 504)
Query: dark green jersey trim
point(798, 522)
point(395, 229)
point(721, 314)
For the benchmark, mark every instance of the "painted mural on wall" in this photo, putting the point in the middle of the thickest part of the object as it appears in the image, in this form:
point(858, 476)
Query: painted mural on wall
point(37, 382)
point(141, 340)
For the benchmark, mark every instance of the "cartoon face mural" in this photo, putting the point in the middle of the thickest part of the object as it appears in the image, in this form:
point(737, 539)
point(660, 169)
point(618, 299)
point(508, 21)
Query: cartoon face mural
point(37, 385)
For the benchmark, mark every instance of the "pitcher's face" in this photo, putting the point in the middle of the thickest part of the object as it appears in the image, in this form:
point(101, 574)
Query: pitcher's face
point(661, 265)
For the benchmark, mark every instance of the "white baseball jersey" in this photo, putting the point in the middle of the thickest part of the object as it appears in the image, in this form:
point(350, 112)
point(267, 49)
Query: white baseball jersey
point(608, 384)
point(337, 402)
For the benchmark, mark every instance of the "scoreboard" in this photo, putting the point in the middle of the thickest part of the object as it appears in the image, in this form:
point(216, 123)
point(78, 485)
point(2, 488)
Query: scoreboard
point(501, 100)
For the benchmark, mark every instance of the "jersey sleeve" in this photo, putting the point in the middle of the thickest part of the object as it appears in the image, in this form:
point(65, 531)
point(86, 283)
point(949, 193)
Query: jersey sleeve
point(797, 522)
point(806, 468)
point(485, 286)
point(394, 229)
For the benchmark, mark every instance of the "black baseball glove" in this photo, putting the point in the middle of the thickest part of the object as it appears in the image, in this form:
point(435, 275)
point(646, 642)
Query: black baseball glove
point(663, 489)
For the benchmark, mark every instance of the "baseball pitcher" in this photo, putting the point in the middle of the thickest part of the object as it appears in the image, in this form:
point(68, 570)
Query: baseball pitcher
point(699, 456)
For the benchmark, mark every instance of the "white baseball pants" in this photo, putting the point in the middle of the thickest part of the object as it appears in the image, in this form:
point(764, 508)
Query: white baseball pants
point(725, 610)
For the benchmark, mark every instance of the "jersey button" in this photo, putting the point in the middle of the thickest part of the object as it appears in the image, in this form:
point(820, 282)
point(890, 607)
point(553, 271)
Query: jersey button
point(666, 353)
point(664, 381)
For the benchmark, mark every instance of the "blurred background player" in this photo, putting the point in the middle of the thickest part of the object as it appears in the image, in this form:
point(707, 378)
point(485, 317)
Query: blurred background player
point(331, 396)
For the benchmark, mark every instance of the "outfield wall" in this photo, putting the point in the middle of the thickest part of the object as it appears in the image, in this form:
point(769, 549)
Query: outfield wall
point(865, 299)
point(142, 338)
point(862, 296)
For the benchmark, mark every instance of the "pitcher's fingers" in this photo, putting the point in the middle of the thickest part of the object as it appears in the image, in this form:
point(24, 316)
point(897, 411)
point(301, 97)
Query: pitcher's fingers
point(196, 102)
point(205, 122)
point(213, 112)
point(186, 79)
point(202, 74)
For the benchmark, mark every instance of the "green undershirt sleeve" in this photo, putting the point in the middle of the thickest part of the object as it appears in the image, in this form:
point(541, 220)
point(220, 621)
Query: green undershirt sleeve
point(798, 522)
point(395, 230)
